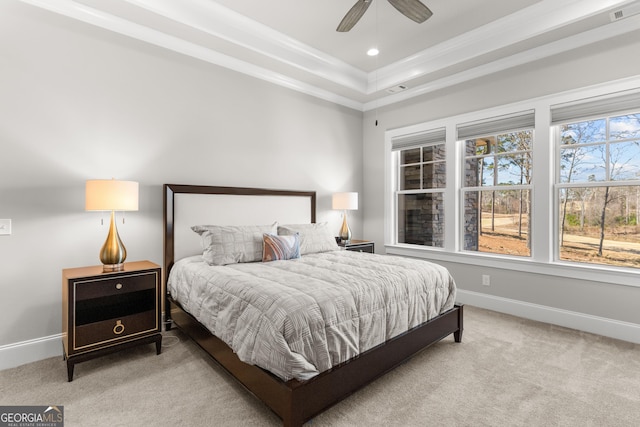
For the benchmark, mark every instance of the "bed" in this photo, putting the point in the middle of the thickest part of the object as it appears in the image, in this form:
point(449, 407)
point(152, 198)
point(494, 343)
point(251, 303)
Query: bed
point(298, 395)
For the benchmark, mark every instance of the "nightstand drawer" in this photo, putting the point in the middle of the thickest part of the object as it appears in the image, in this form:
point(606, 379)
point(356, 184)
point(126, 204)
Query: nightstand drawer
point(361, 248)
point(114, 329)
point(98, 288)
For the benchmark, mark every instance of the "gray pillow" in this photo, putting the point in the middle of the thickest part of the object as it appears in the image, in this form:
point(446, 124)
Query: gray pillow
point(231, 244)
point(313, 237)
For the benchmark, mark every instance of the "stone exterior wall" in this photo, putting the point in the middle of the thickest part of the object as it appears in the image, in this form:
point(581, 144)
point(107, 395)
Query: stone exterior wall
point(421, 217)
point(471, 201)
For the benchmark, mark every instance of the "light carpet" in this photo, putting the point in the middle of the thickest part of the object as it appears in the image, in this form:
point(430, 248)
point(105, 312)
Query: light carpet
point(506, 372)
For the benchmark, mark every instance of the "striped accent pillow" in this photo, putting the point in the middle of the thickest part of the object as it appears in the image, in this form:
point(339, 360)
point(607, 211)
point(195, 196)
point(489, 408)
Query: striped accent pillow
point(276, 248)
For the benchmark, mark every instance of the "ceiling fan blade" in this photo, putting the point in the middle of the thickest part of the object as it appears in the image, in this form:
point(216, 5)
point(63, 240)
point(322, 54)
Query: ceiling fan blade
point(412, 9)
point(354, 15)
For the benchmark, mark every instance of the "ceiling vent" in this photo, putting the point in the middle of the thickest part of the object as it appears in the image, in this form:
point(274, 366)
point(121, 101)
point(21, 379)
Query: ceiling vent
point(396, 89)
point(625, 12)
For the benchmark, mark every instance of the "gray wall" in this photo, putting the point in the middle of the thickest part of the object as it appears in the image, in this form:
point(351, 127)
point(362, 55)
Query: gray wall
point(598, 63)
point(78, 103)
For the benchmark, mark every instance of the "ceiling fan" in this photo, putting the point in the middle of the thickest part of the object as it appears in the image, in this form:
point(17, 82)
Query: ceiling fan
point(412, 9)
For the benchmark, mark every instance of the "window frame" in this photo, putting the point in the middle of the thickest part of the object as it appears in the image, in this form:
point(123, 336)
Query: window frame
point(558, 186)
point(543, 258)
point(397, 191)
point(495, 186)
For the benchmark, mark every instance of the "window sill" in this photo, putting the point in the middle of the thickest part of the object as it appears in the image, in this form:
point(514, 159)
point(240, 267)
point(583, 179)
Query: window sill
point(626, 277)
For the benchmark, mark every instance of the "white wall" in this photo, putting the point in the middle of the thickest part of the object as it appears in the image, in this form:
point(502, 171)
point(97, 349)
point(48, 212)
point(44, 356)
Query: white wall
point(79, 103)
point(548, 297)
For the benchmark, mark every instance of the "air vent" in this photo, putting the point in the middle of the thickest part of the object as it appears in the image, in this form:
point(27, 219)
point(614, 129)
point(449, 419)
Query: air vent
point(625, 12)
point(396, 89)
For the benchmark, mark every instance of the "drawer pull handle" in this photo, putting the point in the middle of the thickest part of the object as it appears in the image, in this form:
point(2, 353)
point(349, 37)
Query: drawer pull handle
point(119, 286)
point(119, 328)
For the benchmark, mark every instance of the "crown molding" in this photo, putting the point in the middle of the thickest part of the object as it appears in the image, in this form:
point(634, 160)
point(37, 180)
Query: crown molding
point(532, 21)
point(215, 20)
point(89, 15)
point(579, 40)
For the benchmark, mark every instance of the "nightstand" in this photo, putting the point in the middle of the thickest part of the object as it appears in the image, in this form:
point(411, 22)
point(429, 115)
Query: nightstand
point(107, 312)
point(359, 246)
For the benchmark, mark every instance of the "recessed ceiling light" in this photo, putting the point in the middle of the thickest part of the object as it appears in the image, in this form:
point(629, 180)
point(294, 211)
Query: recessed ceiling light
point(373, 51)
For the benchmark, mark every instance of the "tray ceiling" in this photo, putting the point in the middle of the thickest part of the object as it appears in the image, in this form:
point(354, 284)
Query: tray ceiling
point(293, 43)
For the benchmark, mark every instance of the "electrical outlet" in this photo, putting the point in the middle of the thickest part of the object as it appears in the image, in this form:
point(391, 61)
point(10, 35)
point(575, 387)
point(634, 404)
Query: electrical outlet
point(486, 280)
point(5, 227)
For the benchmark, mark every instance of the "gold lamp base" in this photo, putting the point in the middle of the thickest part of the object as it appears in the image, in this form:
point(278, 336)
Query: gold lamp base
point(113, 252)
point(108, 268)
point(345, 231)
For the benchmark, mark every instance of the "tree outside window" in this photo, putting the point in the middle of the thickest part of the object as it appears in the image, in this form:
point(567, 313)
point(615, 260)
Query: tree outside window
point(598, 190)
point(497, 193)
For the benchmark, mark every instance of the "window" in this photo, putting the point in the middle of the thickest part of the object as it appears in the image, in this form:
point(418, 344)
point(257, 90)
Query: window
point(598, 182)
point(549, 186)
point(421, 182)
point(496, 184)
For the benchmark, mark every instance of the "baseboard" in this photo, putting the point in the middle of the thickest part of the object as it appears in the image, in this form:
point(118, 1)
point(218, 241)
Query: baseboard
point(17, 354)
point(570, 319)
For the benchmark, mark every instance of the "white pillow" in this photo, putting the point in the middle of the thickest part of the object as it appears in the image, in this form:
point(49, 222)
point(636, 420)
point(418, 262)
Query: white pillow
point(231, 244)
point(313, 237)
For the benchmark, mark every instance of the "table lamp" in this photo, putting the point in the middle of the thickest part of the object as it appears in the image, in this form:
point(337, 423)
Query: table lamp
point(112, 195)
point(345, 201)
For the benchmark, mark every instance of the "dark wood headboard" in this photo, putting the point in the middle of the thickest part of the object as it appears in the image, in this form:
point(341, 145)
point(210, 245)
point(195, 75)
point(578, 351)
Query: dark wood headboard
point(187, 205)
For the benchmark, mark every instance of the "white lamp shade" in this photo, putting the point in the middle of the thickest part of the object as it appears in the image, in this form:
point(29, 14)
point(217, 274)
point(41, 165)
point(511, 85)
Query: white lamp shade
point(111, 195)
point(345, 201)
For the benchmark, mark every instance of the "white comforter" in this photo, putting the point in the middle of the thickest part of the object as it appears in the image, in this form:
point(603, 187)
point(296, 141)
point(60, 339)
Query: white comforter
point(300, 317)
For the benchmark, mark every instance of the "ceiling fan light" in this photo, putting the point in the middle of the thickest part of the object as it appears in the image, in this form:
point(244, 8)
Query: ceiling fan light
point(373, 51)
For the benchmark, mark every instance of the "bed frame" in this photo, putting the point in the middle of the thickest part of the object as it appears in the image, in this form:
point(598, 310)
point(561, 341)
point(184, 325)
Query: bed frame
point(295, 401)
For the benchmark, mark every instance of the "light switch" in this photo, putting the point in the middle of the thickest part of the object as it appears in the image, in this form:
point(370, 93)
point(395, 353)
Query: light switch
point(5, 227)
